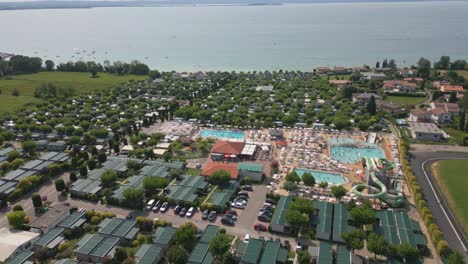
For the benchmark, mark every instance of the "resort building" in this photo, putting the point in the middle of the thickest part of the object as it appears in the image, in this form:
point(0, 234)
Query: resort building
point(163, 236)
point(220, 200)
point(201, 254)
point(278, 221)
point(426, 131)
point(124, 230)
point(50, 240)
point(51, 218)
point(96, 248)
point(149, 254)
point(419, 115)
point(13, 242)
point(211, 167)
point(252, 170)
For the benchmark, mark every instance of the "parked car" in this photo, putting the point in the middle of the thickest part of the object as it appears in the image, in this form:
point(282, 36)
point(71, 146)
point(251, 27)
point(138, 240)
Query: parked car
point(287, 245)
point(298, 247)
point(270, 201)
point(233, 217)
point(267, 208)
point(231, 212)
point(198, 166)
point(150, 204)
point(263, 218)
point(164, 207)
point(238, 205)
point(183, 212)
point(226, 220)
point(269, 205)
point(177, 209)
point(240, 200)
point(205, 214)
point(157, 206)
point(242, 197)
point(247, 238)
point(247, 187)
point(190, 212)
point(260, 227)
point(212, 216)
point(267, 213)
point(245, 193)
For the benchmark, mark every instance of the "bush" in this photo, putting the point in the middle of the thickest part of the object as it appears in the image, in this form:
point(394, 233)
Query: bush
point(442, 247)
point(18, 208)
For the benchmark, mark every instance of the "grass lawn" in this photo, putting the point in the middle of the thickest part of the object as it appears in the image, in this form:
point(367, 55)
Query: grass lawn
point(405, 100)
point(463, 73)
point(453, 179)
point(80, 81)
point(333, 77)
point(456, 136)
point(193, 172)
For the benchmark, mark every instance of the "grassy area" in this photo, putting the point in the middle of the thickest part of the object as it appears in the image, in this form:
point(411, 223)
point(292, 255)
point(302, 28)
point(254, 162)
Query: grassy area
point(405, 100)
point(463, 73)
point(456, 136)
point(333, 77)
point(81, 82)
point(193, 172)
point(453, 179)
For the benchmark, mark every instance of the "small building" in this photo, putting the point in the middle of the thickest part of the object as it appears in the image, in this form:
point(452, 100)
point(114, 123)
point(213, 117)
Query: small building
point(51, 239)
point(85, 187)
point(149, 254)
point(426, 131)
point(341, 222)
point(274, 253)
point(124, 230)
point(18, 175)
point(51, 218)
point(13, 242)
point(252, 170)
point(163, 236)
point(419, 115)
point(364, 98)
point(7, 187)
point(96, 248)
point(201, 254)
point(339, 83)
point(67, 261)
point(183, 194)
point(399, 86)
point(323, 70)
point(212, 167)
point(56, 146)
point(373, 76)
point(325, 254)
point(278, 221)
point(75, 219)
point(250, 252)
point(22, 257)
point(323, 220)
point(389, 107)
point(446, 88)
point(276, 134)
point(220, 200)
point(226, 150)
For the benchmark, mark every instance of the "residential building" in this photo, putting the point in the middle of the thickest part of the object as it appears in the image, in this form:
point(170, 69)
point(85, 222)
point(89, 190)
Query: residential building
point(419, 115)
point(339, 83)
point(212, 166)
point(451, 88)
point(278, 221)
point(22, 257)
point(399, 86)
point(51, 218)
point(274, 253)
point(389, 107)
point(323, 70)
point(96, 248)
point(364, 98)
point(250, 252)
point(149, 254)
point(50, 240)
point(201, 254)
point(75, 219)
point(163, 236)
point(372, 76)
point(426, 131)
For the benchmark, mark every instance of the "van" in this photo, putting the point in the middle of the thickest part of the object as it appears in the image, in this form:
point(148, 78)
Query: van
point(149, 205)
point(247, 238)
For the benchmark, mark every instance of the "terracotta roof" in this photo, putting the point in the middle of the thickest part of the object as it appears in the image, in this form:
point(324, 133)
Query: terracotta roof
point(451, 88)
point(281, 143)
point(418, 112)
point(338, 82)
point(212, 167)
point(226, 147)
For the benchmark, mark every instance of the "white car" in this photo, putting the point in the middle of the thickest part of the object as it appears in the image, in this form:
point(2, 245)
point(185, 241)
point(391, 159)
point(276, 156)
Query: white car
point(190, 212)
point(238, 205)
point(247, 238)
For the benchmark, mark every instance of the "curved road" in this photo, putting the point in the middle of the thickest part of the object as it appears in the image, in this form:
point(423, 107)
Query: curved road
point(420, 162)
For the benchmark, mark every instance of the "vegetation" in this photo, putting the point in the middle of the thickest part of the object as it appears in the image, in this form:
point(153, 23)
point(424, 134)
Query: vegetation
point(405, 100)
point(186, 236)
point(219, 177)
point(17, 219)
point(220, 245)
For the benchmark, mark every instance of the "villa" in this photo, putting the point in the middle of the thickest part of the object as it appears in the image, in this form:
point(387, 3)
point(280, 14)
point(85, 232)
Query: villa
point(451, 88)
point(398, 86)
point(364, 98)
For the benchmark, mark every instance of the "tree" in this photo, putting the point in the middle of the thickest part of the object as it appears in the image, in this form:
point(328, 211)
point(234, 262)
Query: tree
point(133, 165)
point(120, 255)
point(60, 185)
point(83, 171)
point(153, 183)
point(371, 106)
point(377, 244)
point(461, 122)
point(29, 146)
point(49, 65)
point(436, 95)
point(17, 219)
point(424, 68)
point(443, 63)
point(362, 215)
point(18, 208)
point(302, 205)
point(219, 177)
point(392, 64)
point(92, 164)
point(36, 200)
point(93, 72)
point(293, 177)
point(338, 191)
point(108, 178)
point(73, 177)
point(296, 219)
point(354, 239)
point(134, 197)
point(363, 125)
point(455, 258)
point(453, 97)
point(186, 236)
point(308, 179)
point(289, 186)
point(406, 251)
point(303, 257)
point(177, 255)
point(220, 245)
point(15, 92)
point(102, 157)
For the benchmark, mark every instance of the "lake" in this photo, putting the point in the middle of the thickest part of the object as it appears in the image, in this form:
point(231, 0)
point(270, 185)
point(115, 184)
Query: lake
point(293, 36)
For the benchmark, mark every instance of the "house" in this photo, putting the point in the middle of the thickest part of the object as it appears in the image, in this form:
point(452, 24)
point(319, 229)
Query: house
point(226, 150)
point(96, 248)
point(201, 254)
point(85, 187)
point(212, 166)
point(50, 240)
point(405, 73)
point(364, 98)
point(22, 257)
point(323, 70)
point(149, 254)
point(252, 170)
point(426, 131)
point(339, 83)
point(7, 187)
point(124, 230)
point(443, 112)
point(220, 200)
point(360, 69)
point(419, 115)
point(73, 220)
point(274, 253)
point(340, 70)
point(278, 221)
point(389, 107)
point(56, 146)
point(13, 242)
point(398, 86)
point(372, 76)
point(451, 88)
point(51, 218)
point(250, 252)
point(323, 220)
point(163, 236)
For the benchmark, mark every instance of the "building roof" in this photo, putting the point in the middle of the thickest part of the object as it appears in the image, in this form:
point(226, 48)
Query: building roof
point(248, 166)
point(67, 261)
point(343, 254)
point(73, 220)
point(21, 257)
point(366, 95)
point(212, 167)
point(193, 181)
point(252, 251)
point(324, 228)
point(249, 149)
point(228, 147)
point(182, 193)
point(210, 232)
point(451, 88)
point(7, 187)
point(118, 227)
point(51, 239)
point(86, 186)
point(51, 217)
point(96, 245)
point(339, 82)
point(200, 254)
point(17, 175)
point(148, 254)
point(272, 253)
point(31, 165)
point(54, 156)
point(11, 239)
point(325, 253)
point(280, 211)
point(155, 170)
point(398, 228)
point(6, 151)
point(163, 235)
point(340, 222)
point(418, 127)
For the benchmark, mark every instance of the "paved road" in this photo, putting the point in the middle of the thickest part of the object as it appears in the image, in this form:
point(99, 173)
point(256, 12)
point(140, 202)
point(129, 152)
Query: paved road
point(452, 231)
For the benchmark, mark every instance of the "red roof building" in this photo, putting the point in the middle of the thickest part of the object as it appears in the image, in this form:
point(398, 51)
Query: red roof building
point(211, 167)
point(451, 88)
point(227, 147)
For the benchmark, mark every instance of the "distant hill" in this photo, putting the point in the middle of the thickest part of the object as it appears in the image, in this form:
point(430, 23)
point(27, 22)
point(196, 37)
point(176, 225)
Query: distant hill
point(92, 4)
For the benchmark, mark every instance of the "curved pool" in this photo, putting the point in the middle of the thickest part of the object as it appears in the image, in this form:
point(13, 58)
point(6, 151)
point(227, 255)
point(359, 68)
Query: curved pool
point(212, 133)
point(323, 176)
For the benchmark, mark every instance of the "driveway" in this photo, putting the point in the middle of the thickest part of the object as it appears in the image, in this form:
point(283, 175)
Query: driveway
point(444, 218)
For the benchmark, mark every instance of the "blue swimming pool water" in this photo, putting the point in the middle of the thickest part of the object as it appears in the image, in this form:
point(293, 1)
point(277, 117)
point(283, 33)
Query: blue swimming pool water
point(348, 154)
point(323, 176)
point(222, 134)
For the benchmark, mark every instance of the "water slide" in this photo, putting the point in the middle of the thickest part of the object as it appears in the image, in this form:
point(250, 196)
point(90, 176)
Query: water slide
point(373, 192)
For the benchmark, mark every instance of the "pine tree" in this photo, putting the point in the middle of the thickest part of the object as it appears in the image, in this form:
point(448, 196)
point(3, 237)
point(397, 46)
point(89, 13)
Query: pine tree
point(371, 106)
point(461, 124)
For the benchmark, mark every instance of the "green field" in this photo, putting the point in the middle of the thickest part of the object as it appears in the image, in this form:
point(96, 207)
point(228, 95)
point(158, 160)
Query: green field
point(463, 73)
point(81, 82)
point(453, 177)
point(405, 100)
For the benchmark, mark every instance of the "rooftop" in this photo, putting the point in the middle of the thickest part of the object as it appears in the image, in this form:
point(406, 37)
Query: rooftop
point(51, 239)
point(118, 228)
point(211, 167)
point(228, 147)
point(148, 254)
point(163, 235)
point(96, 245)
point(248, 166)
point(51, 217)
point(417, 127)
point(281, 208)
point(11, 239)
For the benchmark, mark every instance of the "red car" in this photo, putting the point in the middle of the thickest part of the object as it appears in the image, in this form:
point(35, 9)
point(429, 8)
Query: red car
point(231, 212)
point(260, 227)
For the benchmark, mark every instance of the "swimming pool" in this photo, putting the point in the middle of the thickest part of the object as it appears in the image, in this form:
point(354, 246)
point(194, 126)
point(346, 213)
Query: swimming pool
point(323, 176)
point(222, 134)
point(349, 154)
